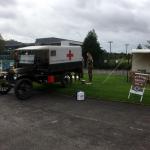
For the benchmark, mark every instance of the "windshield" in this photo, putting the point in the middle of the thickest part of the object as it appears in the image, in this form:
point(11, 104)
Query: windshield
point(38, 57)
point(26, 59)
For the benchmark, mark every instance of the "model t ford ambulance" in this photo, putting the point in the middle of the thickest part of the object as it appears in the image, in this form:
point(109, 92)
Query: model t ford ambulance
point(42, 64)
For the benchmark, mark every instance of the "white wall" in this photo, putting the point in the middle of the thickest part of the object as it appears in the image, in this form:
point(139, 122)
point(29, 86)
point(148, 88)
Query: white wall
point(141, 61)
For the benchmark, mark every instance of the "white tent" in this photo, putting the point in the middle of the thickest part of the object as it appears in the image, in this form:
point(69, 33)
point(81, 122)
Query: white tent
point(141, 60)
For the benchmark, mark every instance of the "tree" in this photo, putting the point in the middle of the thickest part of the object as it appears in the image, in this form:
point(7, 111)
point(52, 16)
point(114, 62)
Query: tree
point(139, 46)
point(2, 45)
point(92, 45)
point(148, 45)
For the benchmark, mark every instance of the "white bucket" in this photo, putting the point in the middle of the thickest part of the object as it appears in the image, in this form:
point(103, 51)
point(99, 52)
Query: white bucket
point(80, 96)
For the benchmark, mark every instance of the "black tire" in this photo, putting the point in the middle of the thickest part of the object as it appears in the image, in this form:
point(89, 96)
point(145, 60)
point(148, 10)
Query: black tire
point(5, 87)
point(66, 80)
point(23, 89)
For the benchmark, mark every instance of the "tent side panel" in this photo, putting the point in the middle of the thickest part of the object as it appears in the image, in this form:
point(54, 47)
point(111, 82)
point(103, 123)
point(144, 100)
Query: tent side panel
point(141, 62)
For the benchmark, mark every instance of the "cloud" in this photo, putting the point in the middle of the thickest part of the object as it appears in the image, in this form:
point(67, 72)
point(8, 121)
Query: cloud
point(7, 2)
point(125, 21)
point(7, 15)
point(8, 9)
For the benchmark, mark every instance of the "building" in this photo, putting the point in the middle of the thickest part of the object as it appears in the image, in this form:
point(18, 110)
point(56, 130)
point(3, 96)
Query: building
point(56, 41)
point(12, 44)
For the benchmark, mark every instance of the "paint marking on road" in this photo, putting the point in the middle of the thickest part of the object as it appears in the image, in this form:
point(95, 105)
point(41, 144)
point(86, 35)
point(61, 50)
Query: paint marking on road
point(138, 129)
point(54, 121)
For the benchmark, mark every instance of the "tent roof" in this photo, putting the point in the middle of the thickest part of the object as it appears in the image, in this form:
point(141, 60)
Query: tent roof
point(140, 51)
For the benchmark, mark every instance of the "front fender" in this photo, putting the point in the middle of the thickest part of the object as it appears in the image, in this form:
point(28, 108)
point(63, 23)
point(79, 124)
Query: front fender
point(24, 76)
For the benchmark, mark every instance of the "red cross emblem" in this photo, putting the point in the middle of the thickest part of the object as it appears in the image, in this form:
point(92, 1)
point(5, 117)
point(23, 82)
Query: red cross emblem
point(70, 55)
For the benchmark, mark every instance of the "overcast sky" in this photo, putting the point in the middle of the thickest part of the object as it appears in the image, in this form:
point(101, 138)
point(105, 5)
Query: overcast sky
point(120, 21)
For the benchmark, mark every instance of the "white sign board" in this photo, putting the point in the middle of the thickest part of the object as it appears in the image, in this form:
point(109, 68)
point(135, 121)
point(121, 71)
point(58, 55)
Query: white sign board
point(138, 85)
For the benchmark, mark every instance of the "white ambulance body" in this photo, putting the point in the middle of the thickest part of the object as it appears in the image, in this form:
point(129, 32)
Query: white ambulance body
point(57, 54)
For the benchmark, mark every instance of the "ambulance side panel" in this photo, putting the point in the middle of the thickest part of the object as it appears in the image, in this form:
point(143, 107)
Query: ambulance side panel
point(65, 55)
point(59, 61)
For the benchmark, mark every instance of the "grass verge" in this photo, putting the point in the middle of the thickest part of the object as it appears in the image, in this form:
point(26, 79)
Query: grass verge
point(104, 87)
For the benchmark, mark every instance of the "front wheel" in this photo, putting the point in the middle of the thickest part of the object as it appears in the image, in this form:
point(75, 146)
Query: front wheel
point(23, 89)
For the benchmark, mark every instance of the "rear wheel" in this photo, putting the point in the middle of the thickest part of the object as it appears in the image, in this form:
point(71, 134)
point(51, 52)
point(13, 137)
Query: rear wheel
point(23, 89)
point(66, 80)
point(5, 87)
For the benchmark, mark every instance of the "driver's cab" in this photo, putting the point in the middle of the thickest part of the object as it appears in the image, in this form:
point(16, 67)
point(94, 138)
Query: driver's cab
point(33, 58)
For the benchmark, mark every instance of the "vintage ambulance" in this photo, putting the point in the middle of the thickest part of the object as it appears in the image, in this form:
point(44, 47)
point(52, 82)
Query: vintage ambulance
point(42, 64)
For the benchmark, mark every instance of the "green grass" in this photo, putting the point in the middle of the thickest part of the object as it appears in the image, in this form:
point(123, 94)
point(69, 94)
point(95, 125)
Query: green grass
point(104, 87)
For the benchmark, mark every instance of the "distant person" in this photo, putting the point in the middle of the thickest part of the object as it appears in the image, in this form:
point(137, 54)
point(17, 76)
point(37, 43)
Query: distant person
point(90, 66)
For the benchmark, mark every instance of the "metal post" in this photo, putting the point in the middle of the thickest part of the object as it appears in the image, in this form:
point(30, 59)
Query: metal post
point(110, 42)
point(1, 66)
point(126, 46)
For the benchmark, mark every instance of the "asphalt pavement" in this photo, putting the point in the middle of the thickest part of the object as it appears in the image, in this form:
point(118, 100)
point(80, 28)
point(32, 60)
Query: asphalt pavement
point(50, 121)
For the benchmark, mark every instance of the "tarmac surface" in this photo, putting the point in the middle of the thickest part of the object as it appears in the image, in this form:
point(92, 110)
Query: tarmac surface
point(49, 121)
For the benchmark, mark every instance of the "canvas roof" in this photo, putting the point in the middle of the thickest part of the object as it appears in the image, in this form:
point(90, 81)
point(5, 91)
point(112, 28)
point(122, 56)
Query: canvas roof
point(136, 51)
point(42, 47)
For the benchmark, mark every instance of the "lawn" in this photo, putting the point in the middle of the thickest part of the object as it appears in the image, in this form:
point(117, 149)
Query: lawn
point(105, 87)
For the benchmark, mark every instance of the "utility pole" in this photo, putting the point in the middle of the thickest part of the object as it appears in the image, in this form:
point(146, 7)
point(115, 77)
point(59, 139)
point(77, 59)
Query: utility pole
point(110, 42)
point(126, 46)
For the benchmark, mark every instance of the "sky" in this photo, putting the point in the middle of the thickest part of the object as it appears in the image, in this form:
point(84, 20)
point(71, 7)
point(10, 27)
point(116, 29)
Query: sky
point(120, 21)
